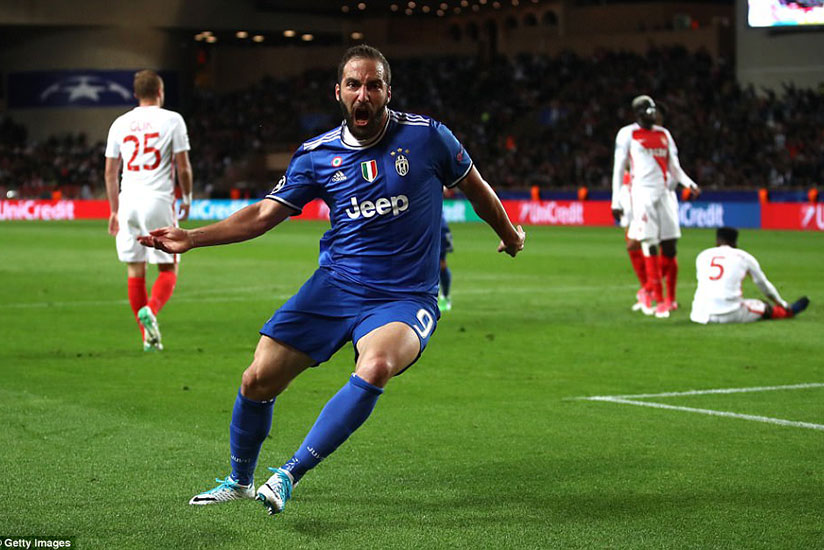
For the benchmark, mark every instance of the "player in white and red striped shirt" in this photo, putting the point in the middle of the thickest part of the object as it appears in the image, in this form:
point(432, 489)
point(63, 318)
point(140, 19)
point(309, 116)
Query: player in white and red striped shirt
point(649, 152)
point(720, 272)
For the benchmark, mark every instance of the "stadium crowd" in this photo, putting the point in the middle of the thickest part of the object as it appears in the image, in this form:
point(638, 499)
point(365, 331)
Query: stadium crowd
point(531, 120)
point(60, 167)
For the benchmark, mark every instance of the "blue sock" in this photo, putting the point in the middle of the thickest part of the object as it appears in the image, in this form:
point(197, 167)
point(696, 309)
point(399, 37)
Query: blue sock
point(251, 421)
point(446, 281)
point(342, 415)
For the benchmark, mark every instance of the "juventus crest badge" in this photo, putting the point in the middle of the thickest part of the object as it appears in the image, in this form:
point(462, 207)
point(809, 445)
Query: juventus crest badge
point(401, 162)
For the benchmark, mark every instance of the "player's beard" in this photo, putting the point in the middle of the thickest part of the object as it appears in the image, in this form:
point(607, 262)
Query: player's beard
point(369, 129)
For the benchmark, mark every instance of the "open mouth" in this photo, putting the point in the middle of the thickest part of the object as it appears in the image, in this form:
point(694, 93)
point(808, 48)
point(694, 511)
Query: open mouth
point(361, 116)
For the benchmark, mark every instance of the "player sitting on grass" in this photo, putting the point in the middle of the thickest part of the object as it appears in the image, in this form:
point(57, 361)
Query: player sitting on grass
point(720, 272)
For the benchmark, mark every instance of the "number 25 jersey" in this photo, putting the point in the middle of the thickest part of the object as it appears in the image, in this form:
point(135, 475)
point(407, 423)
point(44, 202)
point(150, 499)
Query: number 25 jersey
point(147, 138)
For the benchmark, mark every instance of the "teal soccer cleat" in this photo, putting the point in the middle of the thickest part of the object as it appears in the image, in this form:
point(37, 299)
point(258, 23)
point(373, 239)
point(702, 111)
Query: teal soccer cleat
point(150, 327)
point(276, 491)
point(228, 489)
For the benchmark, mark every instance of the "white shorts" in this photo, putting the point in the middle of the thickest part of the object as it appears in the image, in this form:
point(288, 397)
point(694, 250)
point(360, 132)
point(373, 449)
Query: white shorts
point(748, 311)
point(625, 203)
point(654, 216)
point(138, 215)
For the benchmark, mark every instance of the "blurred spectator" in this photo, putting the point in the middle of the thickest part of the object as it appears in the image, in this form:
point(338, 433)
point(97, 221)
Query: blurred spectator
point(67, 165)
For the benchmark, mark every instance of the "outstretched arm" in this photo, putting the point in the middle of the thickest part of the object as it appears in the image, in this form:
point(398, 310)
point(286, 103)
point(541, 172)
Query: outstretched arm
point(764, 284)
point(489, 208)
point(247, 223)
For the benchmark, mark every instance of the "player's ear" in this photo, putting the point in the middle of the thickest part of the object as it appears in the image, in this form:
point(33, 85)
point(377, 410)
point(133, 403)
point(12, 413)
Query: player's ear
point(337, 92)
point(388, 94)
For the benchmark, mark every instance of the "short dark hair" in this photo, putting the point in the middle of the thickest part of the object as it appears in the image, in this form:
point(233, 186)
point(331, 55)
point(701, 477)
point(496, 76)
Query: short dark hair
point(727, 235)
point(365, 52)
point(147, 84)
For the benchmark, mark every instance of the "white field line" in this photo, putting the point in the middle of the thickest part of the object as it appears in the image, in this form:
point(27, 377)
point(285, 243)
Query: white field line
point(224, 296)
point(706, 392)
point(632, 400)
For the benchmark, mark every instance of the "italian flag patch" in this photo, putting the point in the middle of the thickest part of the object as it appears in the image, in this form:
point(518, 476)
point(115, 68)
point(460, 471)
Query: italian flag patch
point(369, 170)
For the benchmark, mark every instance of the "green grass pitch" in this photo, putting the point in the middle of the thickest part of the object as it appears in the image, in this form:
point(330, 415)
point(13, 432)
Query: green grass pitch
point(480, 445)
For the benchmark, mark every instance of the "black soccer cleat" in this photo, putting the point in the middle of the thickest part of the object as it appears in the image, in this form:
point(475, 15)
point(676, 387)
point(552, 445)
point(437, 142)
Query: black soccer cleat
point(799, 305)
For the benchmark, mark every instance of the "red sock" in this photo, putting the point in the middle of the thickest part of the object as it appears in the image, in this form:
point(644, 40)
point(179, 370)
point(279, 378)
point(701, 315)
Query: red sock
point(162, 290)
point(653, 277)
point(779, 312)
point(669, 270)
point(137, 297)
point(637, 259)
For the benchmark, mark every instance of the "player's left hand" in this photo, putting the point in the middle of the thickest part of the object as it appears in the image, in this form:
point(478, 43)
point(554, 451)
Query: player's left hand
point(114, 224)
point(690, 193)
point(516, 246)
point(183, 213)
point(172, 240)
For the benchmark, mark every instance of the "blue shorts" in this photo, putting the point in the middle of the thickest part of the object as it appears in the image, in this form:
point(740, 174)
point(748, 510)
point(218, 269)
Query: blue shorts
point(324, 315)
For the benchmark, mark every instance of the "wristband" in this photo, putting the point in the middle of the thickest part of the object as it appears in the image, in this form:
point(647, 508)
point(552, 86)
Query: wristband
point(186, 198)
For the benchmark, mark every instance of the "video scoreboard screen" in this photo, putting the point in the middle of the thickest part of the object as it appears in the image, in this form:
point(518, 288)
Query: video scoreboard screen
point(785, 13)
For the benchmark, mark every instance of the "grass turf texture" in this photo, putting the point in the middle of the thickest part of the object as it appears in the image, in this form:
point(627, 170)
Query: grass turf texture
point(477, 446)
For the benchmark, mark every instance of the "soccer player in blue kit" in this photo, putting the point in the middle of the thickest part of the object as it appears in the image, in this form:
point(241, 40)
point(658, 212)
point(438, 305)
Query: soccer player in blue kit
point(381, 173)
point(445, 276)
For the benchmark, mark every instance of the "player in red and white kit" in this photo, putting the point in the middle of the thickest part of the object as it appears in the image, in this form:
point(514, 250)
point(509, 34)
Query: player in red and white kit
point(720, 272)
point(636, 256)
point(649, 152)
point(151, 144)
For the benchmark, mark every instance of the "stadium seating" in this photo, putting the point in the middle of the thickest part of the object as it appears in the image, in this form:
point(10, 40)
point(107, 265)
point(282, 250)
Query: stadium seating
point(527, 121)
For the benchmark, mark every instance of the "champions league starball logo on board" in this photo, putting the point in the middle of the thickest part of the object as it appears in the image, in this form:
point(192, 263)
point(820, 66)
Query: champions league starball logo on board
point(85, 88)
point(79, 88)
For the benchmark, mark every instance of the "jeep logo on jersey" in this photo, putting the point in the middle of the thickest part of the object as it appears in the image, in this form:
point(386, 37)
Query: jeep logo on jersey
point(401, 165)
point(382, 206)
point(369, 169)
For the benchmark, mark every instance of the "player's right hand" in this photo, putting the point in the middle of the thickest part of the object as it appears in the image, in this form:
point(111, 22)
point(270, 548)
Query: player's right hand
point(617, 213)
point(172, 240)
point(513, 248)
